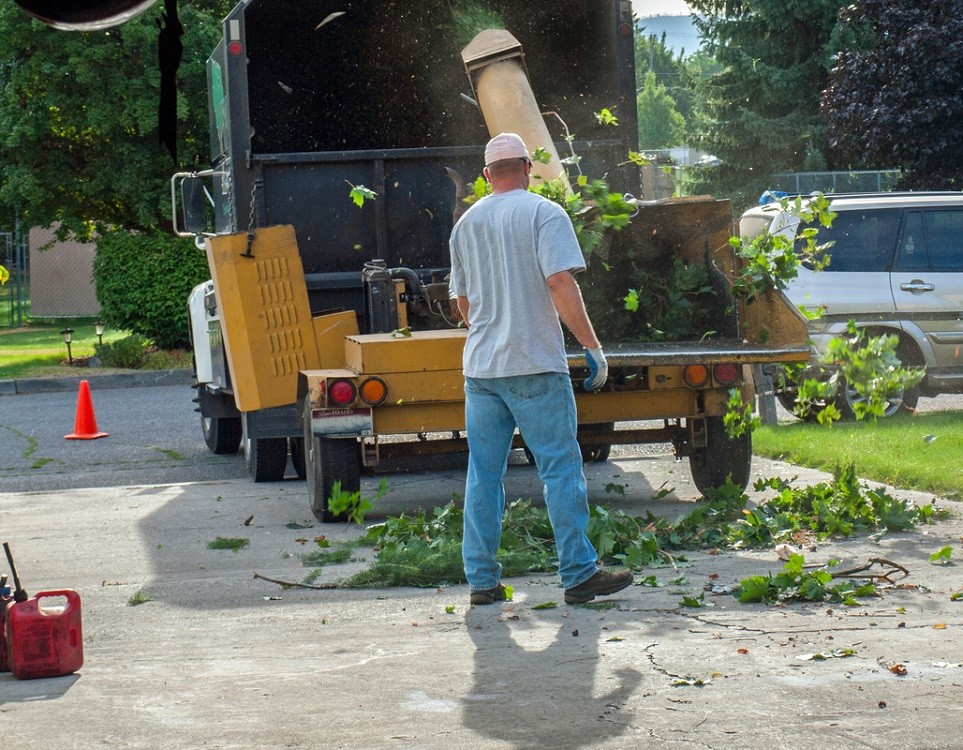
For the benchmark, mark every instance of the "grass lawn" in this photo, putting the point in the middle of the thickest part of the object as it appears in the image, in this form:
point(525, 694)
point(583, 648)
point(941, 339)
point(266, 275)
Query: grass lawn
point(920, 452)
point(39, 350)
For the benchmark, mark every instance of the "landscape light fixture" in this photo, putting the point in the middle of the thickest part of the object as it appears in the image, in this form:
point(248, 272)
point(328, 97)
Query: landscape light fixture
point(68, 334)
point(99, 330)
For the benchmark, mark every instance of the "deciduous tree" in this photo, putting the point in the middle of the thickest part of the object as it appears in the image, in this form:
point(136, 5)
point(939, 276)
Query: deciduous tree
point(78, 119)
point(660, 124)
point(895, 95)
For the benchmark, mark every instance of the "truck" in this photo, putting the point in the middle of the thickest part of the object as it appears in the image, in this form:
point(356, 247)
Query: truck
point(344, 139)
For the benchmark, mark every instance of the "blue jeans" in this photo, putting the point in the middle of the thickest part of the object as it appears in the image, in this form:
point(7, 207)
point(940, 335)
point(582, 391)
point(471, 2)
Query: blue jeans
point(542, 406)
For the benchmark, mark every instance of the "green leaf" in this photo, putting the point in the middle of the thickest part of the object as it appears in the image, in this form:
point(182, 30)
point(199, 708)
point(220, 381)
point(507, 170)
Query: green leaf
point(941, 556)
point(605, 117)
point(545, 605)
point(359, 194)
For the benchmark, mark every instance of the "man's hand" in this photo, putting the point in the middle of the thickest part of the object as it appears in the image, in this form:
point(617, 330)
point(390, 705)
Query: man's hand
point(598, 369)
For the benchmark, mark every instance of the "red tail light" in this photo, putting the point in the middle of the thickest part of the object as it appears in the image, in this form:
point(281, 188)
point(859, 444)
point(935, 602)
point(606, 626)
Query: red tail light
point(341, 392)
point(727, 374)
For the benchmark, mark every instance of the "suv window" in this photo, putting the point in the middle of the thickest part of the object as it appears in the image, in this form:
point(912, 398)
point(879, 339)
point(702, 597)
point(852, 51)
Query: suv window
point(944, 239)
point(863, 240)
point(932, 241)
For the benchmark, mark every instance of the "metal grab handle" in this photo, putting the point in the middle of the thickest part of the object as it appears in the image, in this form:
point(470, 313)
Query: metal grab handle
point(917, 286)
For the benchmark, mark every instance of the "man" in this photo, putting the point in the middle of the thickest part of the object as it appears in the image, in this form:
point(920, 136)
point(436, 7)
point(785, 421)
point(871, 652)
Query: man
point(513, 256)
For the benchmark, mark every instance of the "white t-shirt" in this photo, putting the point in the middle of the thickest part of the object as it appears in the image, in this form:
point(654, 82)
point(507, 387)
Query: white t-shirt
point(502, 250)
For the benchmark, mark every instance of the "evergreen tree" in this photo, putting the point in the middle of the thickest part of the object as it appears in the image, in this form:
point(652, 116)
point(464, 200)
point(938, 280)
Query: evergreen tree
point(760, 113)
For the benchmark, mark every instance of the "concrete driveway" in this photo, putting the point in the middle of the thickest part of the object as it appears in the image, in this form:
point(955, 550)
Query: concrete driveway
point(217, 659)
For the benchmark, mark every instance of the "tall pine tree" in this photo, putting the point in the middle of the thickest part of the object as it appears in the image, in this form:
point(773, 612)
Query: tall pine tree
point(760, 114)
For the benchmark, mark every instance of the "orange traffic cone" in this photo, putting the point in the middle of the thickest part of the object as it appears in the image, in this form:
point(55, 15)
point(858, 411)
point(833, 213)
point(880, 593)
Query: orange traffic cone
point(85, 426)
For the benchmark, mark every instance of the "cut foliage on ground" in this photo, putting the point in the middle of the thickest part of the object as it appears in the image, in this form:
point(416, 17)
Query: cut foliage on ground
point(424, 548)
point(920, 452)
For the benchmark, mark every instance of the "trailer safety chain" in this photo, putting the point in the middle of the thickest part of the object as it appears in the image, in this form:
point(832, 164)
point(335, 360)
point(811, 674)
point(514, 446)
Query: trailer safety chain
point(250, 222)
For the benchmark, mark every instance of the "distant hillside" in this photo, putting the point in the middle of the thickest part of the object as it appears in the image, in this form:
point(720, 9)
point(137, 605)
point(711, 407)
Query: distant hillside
point(680, 32)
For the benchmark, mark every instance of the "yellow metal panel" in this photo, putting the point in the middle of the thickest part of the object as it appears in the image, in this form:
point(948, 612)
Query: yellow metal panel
point(422, 351)
point(435, 417)
point(661, 378)
point(424, 387)
point(330, 331)
point(265, 315)
point(635, 405)
point(771, 319)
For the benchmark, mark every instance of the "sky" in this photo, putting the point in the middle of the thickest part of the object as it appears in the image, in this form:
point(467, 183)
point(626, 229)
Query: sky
point(645, 8)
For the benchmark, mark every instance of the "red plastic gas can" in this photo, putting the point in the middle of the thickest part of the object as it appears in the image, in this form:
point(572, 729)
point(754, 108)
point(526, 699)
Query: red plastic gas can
point(45, 641)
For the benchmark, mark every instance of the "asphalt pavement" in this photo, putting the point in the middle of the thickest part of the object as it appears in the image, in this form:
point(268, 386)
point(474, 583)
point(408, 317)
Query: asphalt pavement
point(215, 658)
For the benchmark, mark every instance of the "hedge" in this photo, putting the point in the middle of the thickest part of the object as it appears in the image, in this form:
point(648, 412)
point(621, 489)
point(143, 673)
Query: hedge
point(143, 281)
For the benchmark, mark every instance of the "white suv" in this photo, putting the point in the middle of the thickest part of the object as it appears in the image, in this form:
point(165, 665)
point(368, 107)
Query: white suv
point(896, 268)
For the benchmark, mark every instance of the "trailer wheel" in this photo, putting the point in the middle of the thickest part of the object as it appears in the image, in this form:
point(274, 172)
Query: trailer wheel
point(266, 458)
point(329, 460)
point(596, 454)
point(222, 434)
point(297, 456)
point(722, 457)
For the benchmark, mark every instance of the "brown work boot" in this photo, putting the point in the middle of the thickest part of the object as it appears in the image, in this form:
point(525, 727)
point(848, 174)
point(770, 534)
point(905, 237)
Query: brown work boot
point(488, 596)
point(600, 584)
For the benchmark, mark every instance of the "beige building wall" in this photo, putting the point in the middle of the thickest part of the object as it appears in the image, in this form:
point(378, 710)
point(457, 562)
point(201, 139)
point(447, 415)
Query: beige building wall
point(61, 277)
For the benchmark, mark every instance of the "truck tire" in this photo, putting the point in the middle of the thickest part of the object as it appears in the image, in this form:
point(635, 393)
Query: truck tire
point(297, 456)
point(222, 434)
point(722, 457)
point(265, 458)
point(596, 454)
point(326, 461)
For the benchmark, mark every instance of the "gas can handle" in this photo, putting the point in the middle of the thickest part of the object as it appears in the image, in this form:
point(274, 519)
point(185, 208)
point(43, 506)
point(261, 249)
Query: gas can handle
point(70, 595)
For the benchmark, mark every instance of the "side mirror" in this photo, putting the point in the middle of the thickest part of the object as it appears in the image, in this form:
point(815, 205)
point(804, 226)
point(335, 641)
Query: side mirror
point(194, 204)
point(84, 15)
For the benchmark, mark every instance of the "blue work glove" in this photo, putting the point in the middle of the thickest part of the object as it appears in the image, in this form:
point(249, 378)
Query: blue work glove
point(598, 369)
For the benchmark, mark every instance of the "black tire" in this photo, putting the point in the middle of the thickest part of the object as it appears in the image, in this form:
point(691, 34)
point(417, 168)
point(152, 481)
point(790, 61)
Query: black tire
point(811, 414)
point(596, 453)
point(329, 460)
point(266, 458)
point(721, 458)
point(297, 456)
point(902, 402)
point(222, 434)
point(590, 454)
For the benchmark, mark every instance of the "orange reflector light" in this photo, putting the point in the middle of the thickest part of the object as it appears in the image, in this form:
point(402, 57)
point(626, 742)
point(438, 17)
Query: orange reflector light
point(341, 392)
point(726, 374)
point(695, 376)
point(373, 391)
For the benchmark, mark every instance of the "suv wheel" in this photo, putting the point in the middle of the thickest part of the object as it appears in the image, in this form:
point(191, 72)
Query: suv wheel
point(901, 402)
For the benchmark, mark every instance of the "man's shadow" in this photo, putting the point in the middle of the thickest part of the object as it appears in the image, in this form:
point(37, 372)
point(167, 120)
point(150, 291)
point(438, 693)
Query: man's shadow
point(537, 696)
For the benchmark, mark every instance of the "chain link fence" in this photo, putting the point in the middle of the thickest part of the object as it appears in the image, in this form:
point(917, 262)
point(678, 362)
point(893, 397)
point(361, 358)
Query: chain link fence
point(15, 294)
point(859, 181)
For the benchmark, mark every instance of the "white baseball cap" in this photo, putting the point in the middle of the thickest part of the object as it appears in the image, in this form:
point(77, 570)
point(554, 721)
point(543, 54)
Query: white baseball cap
point(505, 146)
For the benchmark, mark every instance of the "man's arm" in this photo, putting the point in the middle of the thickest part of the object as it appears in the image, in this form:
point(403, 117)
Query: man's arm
point(567, 298)
point(462, 303)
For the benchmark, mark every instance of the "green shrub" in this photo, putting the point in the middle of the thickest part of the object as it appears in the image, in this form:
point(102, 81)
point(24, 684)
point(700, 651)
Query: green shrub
point(143, 281)
point(129, 352)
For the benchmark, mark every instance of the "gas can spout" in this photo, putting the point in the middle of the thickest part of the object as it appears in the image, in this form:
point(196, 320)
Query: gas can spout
point(19, 595)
